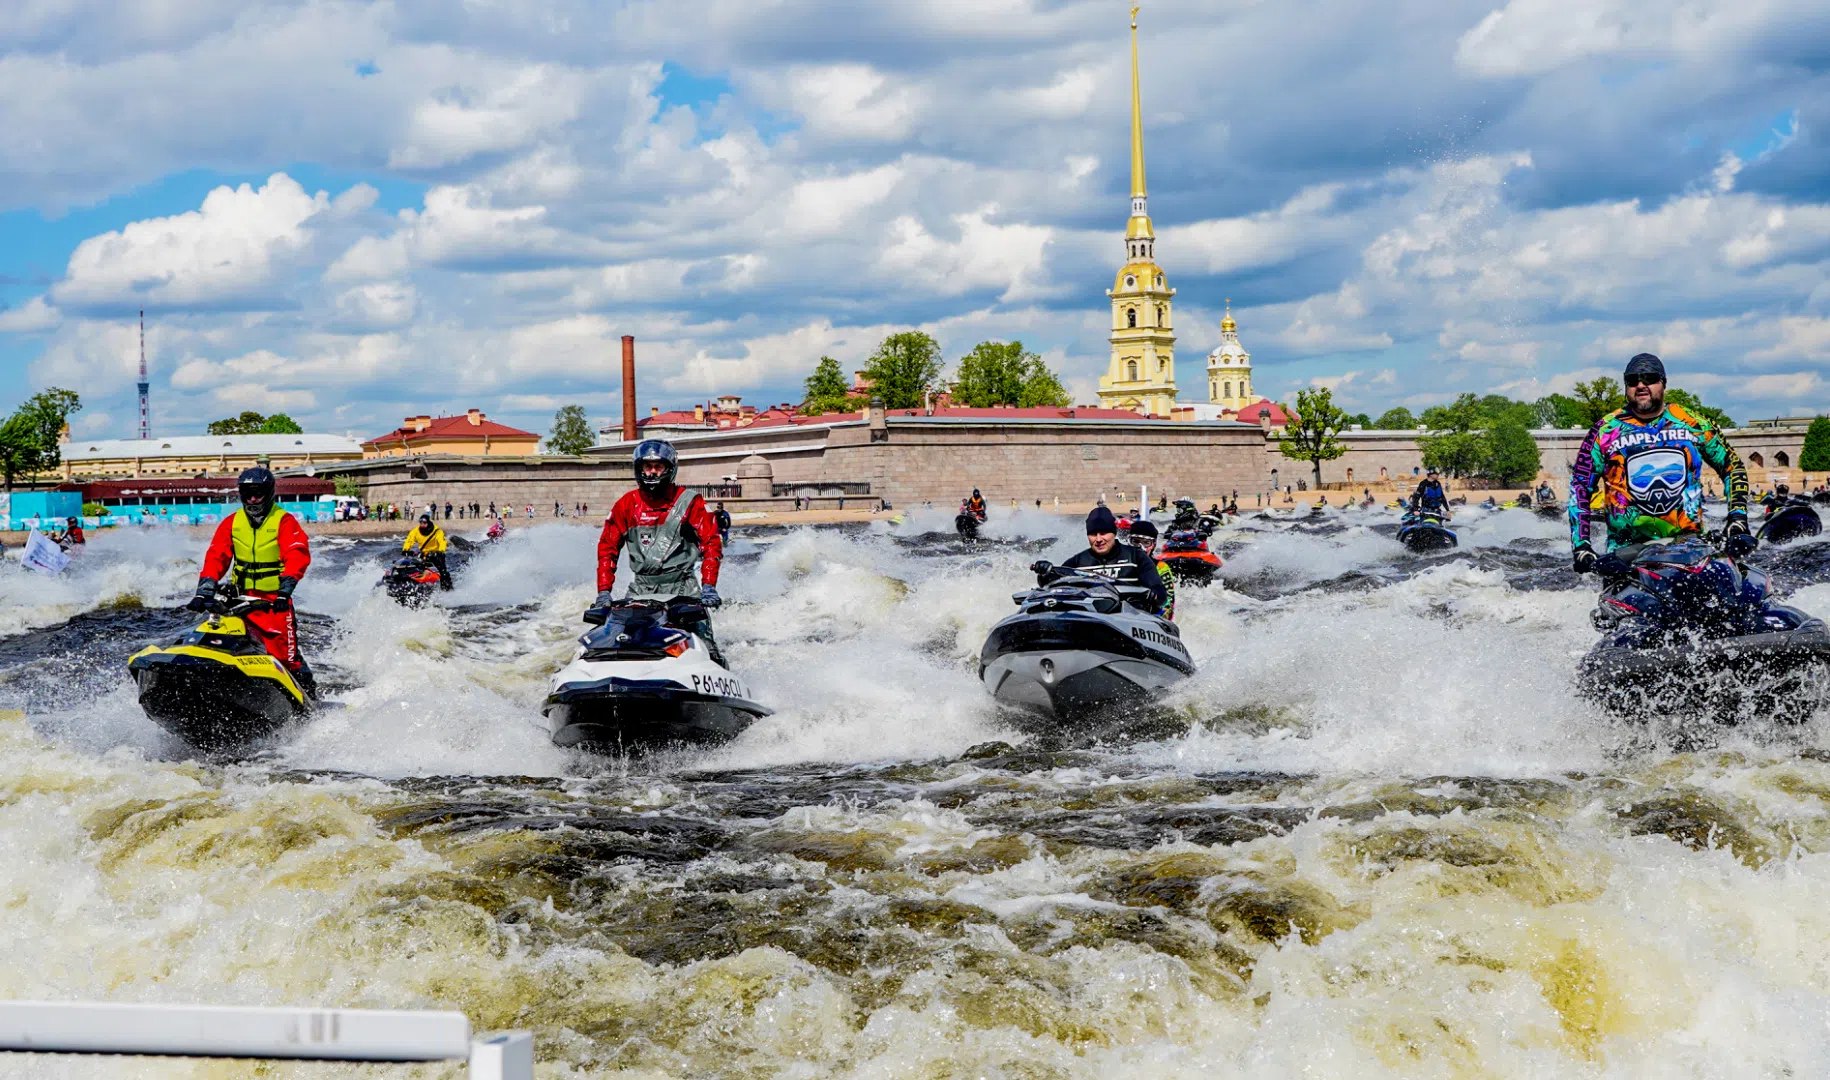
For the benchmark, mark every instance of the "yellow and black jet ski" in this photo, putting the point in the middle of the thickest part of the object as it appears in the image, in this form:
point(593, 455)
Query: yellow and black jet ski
point(215, 686)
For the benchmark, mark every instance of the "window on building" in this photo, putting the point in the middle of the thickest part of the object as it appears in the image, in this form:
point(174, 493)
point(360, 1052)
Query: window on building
point(1755, 459)
point(1229, 393)
point(1130, 280)
point(1130, 316)
point(1782, 460)
point(1159, 281)
point(1162, 315)
point(1131, 374)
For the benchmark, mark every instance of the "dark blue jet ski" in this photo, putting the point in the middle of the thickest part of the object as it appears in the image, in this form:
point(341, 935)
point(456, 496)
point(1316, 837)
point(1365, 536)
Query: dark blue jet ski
point(1423, 531)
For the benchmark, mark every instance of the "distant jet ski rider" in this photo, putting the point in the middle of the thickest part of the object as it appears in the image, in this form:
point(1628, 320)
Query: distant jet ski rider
point(676, 548)
point(1641, 471)
point(270, 552)
point(429, 543)
point(1429, 498)
point(976, 505)
point(1106, 557)
point(1144, 538)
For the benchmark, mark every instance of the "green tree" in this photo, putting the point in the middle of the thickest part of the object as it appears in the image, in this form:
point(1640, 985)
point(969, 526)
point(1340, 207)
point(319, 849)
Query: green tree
point(1310, 434)
point(248, 423)
point(1454, 446)
point(29, 438)
point(1598, 397)
point(347, 486)
point(1511, 455)
point(1398, 419)
point(1559, 411)
point(1002, 373)
point(1694, 404)
point(1361, 419)
point(826, 388)
point(1816, 455)
point(280, 424)
point(1464, 414)
point(571, 431)
point(903, 369)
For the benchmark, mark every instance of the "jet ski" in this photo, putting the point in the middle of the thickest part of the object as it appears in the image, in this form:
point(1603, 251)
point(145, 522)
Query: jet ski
point(1789, 519)
point(215, 686)
point(1688, 631)
point(1423, 531)
point(966, 523)
point(1076, 654)
point(639, 683)
point(410, 581)
point(1185, 553)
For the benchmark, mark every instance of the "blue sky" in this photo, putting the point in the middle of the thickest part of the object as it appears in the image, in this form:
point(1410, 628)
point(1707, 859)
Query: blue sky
point(354, 211)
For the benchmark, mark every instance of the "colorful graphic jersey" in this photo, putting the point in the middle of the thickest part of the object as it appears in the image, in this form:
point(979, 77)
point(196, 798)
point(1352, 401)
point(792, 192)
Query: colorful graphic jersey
point(1644, 478)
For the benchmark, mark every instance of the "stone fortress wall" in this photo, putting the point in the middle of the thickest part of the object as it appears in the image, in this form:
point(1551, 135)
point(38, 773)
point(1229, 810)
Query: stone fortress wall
point(910, 460)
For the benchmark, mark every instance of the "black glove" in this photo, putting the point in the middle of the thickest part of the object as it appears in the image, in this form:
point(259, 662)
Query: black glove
point(277, 603)
point(709, 597)
point(287, 584)
point(206, 594)
point(1737, 540)
point(1040, 567)
point(1613, 566)
point(604, 600)
point(1584, 559)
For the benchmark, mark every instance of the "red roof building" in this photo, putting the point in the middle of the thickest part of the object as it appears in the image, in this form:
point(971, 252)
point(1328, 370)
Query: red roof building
point(471, 434)
point(1263, 413)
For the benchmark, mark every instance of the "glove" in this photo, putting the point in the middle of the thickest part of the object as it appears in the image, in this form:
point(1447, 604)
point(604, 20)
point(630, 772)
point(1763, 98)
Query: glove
point(1613, 566)
point(276, 604)
point(1040, 567)
point(604, 600)
point(206, 593)
point(287, 584)
point(1584, 559)
point(1737, 541)
point(709, 597)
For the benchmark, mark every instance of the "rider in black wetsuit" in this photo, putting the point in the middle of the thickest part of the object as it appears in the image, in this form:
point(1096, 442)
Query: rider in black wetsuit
point(1429, 498)
point(1106, 557)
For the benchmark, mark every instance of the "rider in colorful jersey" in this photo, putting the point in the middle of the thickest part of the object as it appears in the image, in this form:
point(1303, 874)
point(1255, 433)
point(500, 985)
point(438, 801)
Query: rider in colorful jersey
point(1641, 472)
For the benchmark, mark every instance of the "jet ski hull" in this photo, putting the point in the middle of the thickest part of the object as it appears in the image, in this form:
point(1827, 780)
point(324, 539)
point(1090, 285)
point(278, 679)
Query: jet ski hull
point(1074, 671)
point(1193, 567)
point(1790, 523)
point(967, 525)
point(1424, 536)
point(616, 714)
point(1779, 674)
point(215, 700)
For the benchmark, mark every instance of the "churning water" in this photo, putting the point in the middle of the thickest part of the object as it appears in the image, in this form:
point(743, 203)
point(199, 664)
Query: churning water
point(1392, 842)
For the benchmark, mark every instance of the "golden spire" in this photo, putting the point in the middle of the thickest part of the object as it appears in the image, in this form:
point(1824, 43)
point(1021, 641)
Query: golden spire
point(1227, 325)
point(1137, 120)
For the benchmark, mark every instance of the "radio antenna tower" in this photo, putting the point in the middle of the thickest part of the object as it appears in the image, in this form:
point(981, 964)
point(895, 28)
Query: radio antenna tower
point(145, 428)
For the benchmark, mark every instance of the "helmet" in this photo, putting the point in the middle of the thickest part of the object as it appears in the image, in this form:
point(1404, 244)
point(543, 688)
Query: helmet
point(656, 450)
point(1144, 531)
point(975, 493)
point(256, 487)
point(425, 519)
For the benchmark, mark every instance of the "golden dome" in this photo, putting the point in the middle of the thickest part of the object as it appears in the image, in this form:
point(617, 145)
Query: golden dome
point(1227, 325)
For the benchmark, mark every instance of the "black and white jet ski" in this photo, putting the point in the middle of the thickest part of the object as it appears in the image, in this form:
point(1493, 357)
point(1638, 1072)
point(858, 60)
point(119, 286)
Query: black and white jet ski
point(1686, 631)
point(640, 682)
point(1075, 653)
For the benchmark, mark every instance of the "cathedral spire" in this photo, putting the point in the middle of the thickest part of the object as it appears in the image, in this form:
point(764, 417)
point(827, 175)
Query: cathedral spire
point(1138, 190)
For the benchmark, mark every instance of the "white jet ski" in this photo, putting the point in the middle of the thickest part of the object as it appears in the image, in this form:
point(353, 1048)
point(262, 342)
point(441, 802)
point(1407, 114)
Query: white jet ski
point(1076, 654)
point(639, 682)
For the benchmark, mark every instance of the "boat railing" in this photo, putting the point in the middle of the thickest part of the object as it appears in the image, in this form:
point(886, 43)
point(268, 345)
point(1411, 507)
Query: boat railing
point(232, 1031)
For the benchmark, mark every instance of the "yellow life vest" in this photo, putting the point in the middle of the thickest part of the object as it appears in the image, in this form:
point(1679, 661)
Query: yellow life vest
point(257, 552)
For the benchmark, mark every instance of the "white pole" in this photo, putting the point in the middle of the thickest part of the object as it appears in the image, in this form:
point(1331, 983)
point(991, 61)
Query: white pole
point(1143, 501)
point(509, 1056)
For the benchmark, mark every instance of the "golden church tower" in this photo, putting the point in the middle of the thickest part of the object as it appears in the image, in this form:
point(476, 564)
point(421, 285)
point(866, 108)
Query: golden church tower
point(1142, 375)
point(1229, 368)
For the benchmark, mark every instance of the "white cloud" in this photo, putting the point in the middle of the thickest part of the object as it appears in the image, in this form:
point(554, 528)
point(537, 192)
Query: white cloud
point(30, 317)
point(226, 253)
point(986, 255)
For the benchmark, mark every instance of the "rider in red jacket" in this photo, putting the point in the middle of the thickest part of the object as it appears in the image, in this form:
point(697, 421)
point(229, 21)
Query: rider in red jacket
point(270, 553)
point(673, 542)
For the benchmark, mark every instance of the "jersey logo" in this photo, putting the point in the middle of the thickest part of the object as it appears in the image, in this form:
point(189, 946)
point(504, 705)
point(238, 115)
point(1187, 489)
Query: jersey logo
point(1656, 477)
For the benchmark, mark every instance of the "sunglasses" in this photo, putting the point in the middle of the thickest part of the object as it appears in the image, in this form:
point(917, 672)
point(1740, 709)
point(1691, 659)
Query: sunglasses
point(1642, 380)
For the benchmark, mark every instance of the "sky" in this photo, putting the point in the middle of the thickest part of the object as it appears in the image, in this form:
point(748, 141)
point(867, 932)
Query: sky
point(357, 211)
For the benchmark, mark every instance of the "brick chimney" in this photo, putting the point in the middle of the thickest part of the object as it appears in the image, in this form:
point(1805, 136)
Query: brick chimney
point(475, 417)
point(698, 414)
point(629, 388)
point(417, 423)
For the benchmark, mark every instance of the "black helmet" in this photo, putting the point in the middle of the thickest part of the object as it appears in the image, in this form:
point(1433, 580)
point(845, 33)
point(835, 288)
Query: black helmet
point(656, 450)
point(256, 489)
point(425, 519)
point(975, 491)
point(1143, 530)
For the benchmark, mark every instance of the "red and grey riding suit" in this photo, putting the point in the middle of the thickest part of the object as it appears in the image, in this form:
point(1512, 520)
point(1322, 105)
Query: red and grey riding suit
point(673, 546)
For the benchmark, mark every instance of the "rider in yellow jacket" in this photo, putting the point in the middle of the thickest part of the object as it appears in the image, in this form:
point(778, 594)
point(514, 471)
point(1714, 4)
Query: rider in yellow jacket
point(429, 543)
